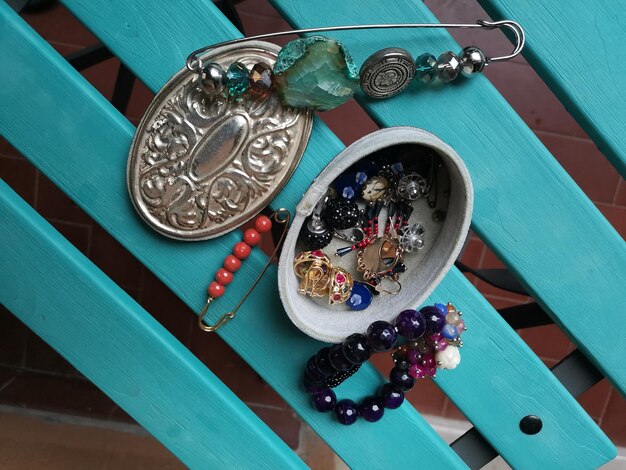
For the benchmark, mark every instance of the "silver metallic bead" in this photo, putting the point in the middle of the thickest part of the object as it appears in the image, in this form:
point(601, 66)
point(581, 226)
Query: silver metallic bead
point(448, 67)
point(473, 61)
point(212, 78)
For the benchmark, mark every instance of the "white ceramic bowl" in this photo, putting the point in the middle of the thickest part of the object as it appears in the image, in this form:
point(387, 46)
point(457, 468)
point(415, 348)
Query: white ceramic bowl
point(425, 269)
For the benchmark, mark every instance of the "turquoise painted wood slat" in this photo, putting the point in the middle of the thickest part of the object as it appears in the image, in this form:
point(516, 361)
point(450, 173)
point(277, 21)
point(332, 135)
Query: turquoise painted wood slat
point(283, 371)
point(527, 209)
point(577, 51)
point(80, 141)
point(95, 325)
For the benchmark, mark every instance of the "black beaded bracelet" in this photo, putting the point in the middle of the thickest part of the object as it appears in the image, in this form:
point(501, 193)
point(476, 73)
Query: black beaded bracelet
point(434, 336)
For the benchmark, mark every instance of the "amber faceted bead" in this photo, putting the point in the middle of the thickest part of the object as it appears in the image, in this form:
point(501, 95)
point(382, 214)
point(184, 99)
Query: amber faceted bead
point(260, 79)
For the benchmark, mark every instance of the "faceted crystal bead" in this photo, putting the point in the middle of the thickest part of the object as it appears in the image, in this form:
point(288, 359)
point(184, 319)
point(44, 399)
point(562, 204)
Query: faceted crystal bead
point(410, 324)
point(315, 72)
point(448, 67)
point(392, 397)
point(347, 412)
point(237, 79)
point(326, 400)
point(425, 68)
point(356, 348)
point(382, 336)
point(434, 320)
point(371, 409)
point(401, 379)
point(338, 360)
point(261, 79)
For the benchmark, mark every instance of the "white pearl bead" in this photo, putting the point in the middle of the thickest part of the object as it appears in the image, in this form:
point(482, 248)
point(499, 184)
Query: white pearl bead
point(449, 358)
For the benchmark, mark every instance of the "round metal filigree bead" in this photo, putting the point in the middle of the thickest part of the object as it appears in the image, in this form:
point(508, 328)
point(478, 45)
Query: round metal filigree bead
point(448, 67)
point(411, 238)
point(212, 78)
point(386, 72)
point(473, 61)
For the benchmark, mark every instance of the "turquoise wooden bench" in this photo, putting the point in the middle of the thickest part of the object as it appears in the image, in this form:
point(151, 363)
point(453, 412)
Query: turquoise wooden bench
point(527, 209)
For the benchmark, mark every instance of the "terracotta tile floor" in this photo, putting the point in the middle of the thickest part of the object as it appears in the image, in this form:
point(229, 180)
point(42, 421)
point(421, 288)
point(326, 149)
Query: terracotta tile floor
point(27, 365)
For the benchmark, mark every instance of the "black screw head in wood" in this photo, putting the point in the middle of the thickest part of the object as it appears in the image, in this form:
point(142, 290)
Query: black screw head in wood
point(530, 424)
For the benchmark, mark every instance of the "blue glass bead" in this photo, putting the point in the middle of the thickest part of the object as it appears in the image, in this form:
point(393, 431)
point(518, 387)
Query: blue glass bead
point(401, 379)
point(391, 397)
point(337, 358)
point(326, 400)
point(356, 348)
point(382, 336)
point(347, 185)
point(411, 324)
point(360, 297)
point(425, 69)
point(347, 412)
point(397, 168)
point(361, 177)
point(371, 409)
point(435, 320)
point(322, 360)
point(449, 331)
point(442, 308)
point(237, 78)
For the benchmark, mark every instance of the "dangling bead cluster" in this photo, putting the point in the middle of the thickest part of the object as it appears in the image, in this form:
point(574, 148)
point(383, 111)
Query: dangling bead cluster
point(433, 335)
point(241, 250)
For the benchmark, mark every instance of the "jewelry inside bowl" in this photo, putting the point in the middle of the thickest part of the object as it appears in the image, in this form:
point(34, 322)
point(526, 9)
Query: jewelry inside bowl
point(444, 213)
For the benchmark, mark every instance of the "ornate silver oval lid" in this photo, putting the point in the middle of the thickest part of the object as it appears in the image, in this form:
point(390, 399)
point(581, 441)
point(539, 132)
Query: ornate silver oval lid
point(202, 165)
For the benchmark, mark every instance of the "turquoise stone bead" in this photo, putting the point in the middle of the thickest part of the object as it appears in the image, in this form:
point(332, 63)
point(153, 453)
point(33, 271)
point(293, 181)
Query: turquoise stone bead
point(315, 72)
point(237, 79)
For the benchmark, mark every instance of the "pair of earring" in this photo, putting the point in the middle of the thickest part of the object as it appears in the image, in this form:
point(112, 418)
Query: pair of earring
point(319, 278)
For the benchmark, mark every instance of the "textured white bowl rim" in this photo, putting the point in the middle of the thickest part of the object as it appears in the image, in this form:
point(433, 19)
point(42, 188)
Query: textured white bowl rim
point(299, 307)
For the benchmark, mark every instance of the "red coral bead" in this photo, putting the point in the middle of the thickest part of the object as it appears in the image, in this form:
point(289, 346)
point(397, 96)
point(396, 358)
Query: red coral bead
point(263, 224)
point(252, 237)
point(232, 264)
point(216, 289)
point(223, 277)
point(242, 250)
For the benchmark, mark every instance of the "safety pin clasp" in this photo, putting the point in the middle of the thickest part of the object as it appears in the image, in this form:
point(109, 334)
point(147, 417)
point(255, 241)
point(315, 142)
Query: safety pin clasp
point(281, 216)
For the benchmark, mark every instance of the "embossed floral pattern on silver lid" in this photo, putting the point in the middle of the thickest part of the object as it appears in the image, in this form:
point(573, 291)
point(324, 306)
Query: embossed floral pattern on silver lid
point(201, 165)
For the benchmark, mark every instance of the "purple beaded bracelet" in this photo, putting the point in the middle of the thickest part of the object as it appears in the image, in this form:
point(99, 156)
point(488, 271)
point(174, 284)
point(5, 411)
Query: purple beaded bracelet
point(434, 339)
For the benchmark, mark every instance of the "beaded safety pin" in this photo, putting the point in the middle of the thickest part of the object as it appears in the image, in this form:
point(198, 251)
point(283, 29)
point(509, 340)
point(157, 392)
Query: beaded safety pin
point(232, 263)
point(384, 74)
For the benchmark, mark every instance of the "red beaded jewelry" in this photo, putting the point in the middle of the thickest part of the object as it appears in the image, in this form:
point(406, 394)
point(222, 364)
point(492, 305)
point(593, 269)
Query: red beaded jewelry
point(232, 263)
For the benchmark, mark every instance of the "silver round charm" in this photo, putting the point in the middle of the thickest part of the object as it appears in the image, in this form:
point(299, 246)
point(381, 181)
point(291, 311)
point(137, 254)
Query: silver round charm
point(202, 163)
point(473, 61)
point(387, 72)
